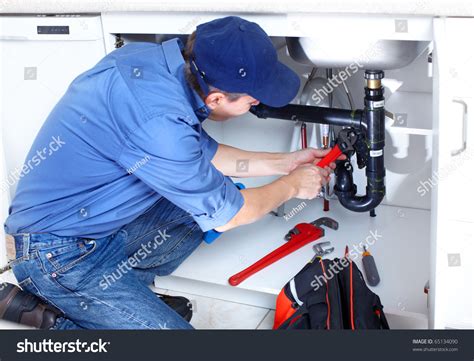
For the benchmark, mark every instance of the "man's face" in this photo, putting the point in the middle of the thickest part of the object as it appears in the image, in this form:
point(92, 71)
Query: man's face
point(222, 108)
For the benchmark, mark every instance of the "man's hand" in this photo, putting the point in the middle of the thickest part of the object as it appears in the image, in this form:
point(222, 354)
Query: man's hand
point(306, 181)
point(309, 155)
point(302, 179)
point(257, 164)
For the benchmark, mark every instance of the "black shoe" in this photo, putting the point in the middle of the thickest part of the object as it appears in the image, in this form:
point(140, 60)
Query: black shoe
point(25, 308)
point(180, 304)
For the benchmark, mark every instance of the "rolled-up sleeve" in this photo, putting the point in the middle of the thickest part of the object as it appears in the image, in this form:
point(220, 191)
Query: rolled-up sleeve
point(173, 157)
point(208, 144)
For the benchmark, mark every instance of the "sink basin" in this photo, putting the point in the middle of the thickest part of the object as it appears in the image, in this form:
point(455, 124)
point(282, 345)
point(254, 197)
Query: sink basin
point(374, 54)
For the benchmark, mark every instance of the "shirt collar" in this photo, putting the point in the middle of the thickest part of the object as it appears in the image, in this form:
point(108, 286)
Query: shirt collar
point(174, 59)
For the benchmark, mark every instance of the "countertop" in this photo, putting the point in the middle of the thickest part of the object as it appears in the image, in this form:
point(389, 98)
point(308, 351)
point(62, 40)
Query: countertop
point(463, 8)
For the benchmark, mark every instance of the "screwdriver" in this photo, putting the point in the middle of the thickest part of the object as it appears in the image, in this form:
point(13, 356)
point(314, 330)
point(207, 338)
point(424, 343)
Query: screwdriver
point(370, 269)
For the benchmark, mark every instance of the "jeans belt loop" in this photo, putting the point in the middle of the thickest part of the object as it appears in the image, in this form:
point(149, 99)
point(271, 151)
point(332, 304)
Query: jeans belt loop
point(26, 246)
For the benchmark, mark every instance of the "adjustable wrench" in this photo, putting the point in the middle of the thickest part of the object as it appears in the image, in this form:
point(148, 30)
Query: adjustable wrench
point(321, 249)
point(300, 235)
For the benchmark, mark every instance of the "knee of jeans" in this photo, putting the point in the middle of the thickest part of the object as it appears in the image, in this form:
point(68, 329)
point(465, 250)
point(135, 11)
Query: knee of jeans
point(168, 268)
point(147, 276)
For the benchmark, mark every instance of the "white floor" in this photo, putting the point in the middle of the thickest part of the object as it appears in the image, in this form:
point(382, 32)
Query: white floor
point(208, 313)
point(213, 313)
point(217, 314)
point(388, 236)
point(6, 325)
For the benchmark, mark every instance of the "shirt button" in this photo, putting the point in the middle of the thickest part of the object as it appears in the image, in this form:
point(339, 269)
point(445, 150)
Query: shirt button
point(54, 275)
point(49, 255)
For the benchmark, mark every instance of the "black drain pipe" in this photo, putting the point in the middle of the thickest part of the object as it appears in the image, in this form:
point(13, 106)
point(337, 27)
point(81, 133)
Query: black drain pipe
point(370, 121)
point(374, 124)
point(311, 114)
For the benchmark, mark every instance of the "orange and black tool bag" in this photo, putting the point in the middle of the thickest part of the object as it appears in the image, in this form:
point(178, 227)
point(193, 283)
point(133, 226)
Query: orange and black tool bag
point(329, 294)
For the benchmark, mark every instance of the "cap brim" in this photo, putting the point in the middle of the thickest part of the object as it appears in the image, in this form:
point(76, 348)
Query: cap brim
point(280, 89)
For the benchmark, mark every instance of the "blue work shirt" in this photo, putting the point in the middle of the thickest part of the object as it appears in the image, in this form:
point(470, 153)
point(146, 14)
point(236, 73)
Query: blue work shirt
point(126, 133)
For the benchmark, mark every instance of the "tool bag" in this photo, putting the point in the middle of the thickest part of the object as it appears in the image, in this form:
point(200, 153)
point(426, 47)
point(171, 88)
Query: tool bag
point(329, 294)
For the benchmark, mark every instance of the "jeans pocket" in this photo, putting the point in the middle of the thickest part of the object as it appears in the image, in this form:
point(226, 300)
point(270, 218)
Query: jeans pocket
point(80, 267)
point(65, 257)
point(70, 265)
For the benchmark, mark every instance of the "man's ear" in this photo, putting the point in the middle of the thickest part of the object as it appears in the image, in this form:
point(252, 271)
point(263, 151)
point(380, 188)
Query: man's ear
point(214, 99)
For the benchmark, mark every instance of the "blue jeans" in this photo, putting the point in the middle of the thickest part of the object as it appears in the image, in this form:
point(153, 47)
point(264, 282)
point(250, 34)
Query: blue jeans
point(104, 283)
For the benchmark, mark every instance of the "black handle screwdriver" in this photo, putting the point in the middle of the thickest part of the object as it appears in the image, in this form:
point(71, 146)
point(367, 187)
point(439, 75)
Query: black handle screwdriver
point(370, 269)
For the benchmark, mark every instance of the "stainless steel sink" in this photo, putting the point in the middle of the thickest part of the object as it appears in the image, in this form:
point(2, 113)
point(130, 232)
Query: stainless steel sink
point(376, 54)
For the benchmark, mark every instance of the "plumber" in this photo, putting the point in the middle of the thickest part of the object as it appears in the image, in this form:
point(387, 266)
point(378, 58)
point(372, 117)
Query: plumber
point(135, 164)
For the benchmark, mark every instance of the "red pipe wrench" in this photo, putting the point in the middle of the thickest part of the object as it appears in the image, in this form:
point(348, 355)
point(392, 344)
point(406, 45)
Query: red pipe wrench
point(345, 144)
point(303, 233)
point(330, 157)
point(300, 235)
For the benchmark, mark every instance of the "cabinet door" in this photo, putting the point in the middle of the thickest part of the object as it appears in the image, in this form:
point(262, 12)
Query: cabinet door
point(451, 294)
point(37, 65)
point(4, 202)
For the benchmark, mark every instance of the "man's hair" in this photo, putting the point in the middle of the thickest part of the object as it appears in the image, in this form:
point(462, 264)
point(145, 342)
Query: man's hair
point(191, 78)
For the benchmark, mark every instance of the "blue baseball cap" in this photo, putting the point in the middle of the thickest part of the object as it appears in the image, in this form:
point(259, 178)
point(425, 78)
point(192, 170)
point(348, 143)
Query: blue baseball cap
point(237, 56)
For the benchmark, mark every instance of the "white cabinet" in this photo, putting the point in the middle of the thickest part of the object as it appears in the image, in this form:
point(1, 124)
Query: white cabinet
point(39, 57)
point(452, 272)
point(5, 200)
